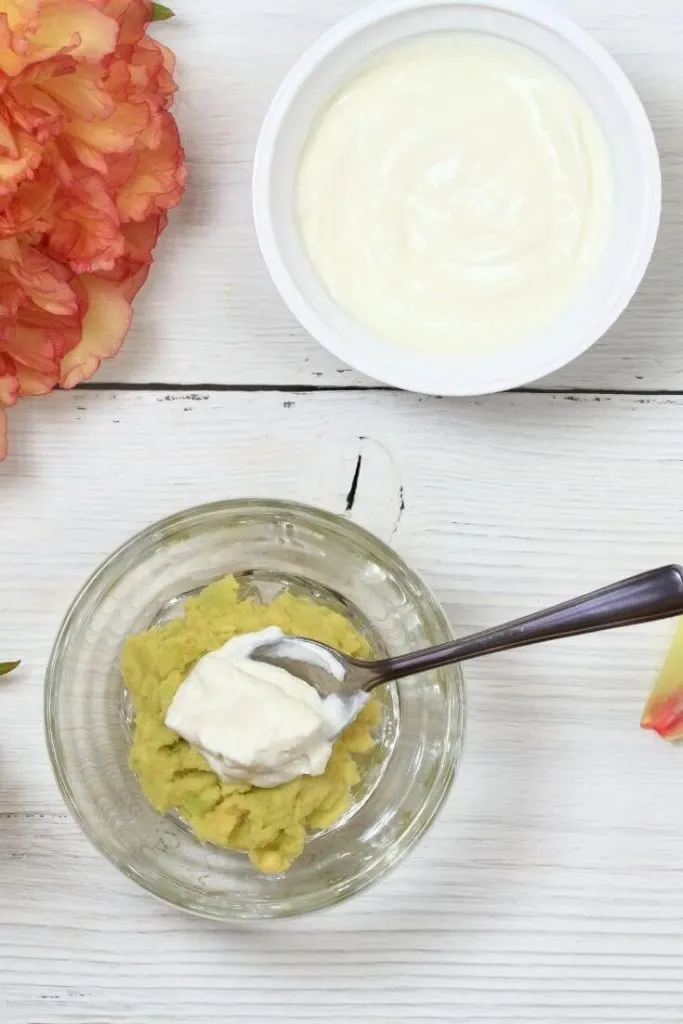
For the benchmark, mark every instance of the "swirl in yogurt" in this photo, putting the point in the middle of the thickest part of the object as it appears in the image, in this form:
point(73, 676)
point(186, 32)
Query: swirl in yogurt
point(456, 194)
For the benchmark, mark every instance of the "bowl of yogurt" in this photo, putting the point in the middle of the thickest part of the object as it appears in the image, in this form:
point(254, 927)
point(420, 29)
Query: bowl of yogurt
point(218, 785)
point(459, 197)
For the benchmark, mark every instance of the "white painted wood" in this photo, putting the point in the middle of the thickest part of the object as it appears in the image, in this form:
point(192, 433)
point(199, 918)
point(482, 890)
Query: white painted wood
point(550, 891)
point(210, 313)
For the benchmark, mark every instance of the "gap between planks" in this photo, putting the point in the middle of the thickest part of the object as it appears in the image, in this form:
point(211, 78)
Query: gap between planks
point(301, 389)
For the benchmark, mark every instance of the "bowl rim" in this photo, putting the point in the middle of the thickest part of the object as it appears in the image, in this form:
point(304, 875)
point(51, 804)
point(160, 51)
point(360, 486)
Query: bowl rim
point(439, 372)
point(439, 791)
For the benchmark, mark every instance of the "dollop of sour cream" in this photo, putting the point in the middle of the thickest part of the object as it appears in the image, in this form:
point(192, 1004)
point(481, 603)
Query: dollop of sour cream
point(255, 723)
point(456, 194)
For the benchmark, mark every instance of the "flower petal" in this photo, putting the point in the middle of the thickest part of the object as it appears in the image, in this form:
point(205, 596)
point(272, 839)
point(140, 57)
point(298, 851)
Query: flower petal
point(77, 26)
point(82, 93)
point(27, 210)
point(86, 234)
point(9, 385)
point(32, 109)
point(133, 17)
point(664, 710)
point(18, 18)
point(665, 717)
point(45, 282)
point(115, 134)
point(11, 297)
point(105, 326)
point(34, 383)
point(21, 17)
point(15, 170)
point(3, 434)
point(139, 240)
point(159, 179)
point(36, 349)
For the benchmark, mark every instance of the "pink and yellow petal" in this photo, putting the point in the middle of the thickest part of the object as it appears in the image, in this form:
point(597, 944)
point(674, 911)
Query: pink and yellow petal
point(18, 19)
point(3, 434)
point(34, 383)
point(159, 180)
point(21, 17)
point(32, 109)
point(87, 233)
point(82, 94)
point(665, 717)
point(9, 146)
point(27, 209)
point(37, 349)
point(133, 17)
point(105, 326)
point(664, 710)
point(15, 170)
point(9, 385)
point(45, 282)
point(11, 297)
point(115, 134)
point(76, 26)
point(140, 240)
point(88, 157)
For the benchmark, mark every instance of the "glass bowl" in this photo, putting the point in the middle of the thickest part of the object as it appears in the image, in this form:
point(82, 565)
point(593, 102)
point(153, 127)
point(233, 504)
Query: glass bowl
point(269, 546)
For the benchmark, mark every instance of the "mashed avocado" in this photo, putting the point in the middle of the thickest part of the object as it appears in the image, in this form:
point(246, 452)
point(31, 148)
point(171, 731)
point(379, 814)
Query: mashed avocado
point(268, 824)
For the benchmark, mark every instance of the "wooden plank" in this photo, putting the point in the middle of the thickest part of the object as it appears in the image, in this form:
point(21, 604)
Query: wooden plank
point(210, 313)
point(551, 888)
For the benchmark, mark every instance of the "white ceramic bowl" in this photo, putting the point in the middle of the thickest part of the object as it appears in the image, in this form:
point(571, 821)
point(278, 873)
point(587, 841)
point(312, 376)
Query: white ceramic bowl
point(320, 73)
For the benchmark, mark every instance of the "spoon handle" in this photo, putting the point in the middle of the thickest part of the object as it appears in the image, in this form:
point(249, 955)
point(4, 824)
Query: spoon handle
point(653, 595)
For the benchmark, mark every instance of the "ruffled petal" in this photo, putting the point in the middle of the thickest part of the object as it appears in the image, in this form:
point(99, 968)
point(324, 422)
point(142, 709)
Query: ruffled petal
point(31, 108)
point(105, 326)
point(28, 209)
point(21, 18)
point(140, 240)
point(82, 94)
point(18, 19)
point(159, 179)
point(45, 282)
point(76, 26)
point(15, 169)
point(86, 233)
point(133, 17)
point(9, 385)
point(115, 134)
point(3, 434)
point(37, 350)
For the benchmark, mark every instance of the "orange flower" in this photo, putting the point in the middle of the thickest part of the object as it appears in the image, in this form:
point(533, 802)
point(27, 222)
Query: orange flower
point(90, 163)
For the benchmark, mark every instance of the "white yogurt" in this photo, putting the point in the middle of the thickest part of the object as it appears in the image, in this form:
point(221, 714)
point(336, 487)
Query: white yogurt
point(254, 722)
point(456, 194)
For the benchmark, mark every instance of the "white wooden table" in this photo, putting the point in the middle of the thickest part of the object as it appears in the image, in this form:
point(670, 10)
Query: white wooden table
point(551, 889)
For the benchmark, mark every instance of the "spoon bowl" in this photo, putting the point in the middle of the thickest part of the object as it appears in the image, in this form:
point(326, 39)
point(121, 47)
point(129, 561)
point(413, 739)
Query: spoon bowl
point(344, 682)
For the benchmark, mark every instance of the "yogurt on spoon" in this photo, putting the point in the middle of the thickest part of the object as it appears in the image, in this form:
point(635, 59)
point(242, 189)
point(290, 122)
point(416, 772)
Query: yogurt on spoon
point(254, 723)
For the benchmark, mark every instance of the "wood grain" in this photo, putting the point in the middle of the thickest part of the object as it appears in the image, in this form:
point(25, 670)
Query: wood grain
point(551, 889)
point(210, 313)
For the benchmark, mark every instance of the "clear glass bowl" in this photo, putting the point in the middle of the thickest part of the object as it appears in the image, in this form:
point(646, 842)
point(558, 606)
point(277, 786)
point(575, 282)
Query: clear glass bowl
point(270, 546)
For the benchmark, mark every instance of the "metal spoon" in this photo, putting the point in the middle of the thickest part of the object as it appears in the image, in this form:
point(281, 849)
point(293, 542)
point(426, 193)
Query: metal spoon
point(645, 598)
